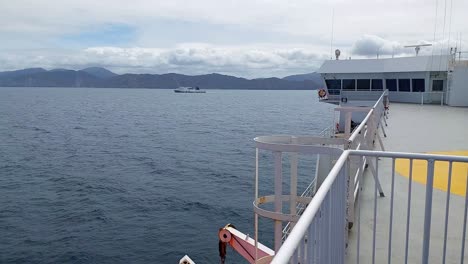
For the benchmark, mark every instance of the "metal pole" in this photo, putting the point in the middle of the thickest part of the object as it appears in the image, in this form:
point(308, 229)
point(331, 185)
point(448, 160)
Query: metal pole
point(391, 211)
point(293, 189)
point(278, 198)
point(347, 124)
point(375, 215)
point(256, 197)
point(447, 207)
point(408, 213)
point(464, 221)
point(428, 211)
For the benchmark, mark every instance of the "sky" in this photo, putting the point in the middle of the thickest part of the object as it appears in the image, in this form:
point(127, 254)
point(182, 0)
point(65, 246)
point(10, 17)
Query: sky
point(245, 38)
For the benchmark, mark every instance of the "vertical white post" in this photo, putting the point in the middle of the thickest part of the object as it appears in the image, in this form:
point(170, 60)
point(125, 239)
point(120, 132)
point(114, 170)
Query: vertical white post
point(422, 98)
point(372, 123)
point(256, 173)
point(347, 124)
point(256, 197)
point(428, 211)
point(334, 125)
point(293, 190)
point(350, 194)
point(278, 198)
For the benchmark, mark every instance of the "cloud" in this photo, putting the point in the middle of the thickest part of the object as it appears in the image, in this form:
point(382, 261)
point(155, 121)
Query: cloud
point(242, 37)
point(370, 45)
point(309, 20)
point(251, 61)
point(198, 59)
point(190, 58)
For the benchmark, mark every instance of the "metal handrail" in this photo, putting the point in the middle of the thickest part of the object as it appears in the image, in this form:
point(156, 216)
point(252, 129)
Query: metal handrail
point(366, 119)
point(406, 155)
point(308, 192)
point(301, 230)
point(297, 234)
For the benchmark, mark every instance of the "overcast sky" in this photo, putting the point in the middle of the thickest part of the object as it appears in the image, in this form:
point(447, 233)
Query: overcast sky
point(248, 38)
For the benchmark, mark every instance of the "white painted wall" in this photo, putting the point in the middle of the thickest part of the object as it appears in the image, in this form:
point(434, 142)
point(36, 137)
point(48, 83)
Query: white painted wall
point(458, 94)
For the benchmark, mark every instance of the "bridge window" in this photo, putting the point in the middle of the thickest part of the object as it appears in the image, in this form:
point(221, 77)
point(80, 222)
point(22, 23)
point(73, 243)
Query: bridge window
point(363, 84)
point(418, 85)
point(349, 84)
point(391, 84)
point(437, 85)
point(377, 85)
point(404, 85)
point(333, 86)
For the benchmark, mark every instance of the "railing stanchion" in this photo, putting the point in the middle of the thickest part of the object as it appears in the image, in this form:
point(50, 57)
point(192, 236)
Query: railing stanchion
point(374, 228)
point(256, 197)
point(293, 184)
point(408, 212)
point(464, 220)
point(428, 211)
point(447, 209)
point(390, 231)
point(278, 198)
point(310, 243)
point(358, 230)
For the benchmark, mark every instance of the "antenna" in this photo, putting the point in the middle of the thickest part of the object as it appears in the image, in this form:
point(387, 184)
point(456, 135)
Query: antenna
point(417, 48)
point(333, 24)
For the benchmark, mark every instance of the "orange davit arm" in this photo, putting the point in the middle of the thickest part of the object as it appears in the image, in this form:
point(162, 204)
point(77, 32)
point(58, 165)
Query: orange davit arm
point(244, 245)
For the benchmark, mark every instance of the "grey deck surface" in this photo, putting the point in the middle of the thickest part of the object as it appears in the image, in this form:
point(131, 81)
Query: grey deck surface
point(412, 128)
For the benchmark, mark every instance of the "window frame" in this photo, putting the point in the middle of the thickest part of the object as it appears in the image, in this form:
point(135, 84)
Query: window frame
point(404, 80)
point(387, 81)
point(332, 89)
point(381, 85)
point(353, 84)
point(414, 85)
point(363, 81)
point(442, 85)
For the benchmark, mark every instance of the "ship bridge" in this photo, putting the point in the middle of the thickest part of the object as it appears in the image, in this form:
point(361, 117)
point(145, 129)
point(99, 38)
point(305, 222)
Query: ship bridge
point(439, 79)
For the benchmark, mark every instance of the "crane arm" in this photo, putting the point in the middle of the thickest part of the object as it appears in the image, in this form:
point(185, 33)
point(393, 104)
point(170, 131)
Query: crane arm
point(244, 245)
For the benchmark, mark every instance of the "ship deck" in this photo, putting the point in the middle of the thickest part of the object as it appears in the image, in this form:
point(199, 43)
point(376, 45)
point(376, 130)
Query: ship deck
point(421, 129)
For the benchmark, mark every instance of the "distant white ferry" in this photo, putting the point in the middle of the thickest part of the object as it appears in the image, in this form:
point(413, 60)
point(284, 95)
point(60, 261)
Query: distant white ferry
point(189, 90)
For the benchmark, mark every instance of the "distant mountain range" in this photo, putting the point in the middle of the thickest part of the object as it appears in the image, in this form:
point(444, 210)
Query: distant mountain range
point(103, 78)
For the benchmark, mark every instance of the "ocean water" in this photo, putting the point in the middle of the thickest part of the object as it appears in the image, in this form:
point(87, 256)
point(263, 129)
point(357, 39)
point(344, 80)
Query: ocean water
point(135, 175)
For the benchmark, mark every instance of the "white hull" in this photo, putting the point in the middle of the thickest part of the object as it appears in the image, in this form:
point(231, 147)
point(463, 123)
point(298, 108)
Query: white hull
point(199, 91)
point(188, 90)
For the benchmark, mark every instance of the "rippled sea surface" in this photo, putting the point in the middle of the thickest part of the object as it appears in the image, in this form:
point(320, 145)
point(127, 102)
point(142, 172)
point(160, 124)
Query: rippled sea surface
point(135, 175)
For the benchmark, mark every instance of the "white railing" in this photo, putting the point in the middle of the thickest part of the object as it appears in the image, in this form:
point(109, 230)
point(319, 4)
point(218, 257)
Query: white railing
point(364, 138)
point(321, 229)
point(401, 216)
